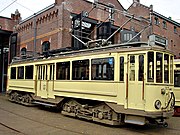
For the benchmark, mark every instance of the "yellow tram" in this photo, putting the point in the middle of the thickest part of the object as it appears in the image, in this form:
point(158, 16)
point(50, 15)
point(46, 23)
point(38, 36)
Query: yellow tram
point(177, 86)
point(114, 84)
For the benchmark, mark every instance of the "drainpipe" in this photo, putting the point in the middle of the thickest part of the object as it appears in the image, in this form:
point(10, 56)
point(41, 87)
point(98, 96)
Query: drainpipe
point(2, 56)
point(1, 69)
point(151, 13)
point(35, 34)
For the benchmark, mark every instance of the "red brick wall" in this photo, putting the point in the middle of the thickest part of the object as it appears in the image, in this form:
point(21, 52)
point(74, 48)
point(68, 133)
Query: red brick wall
point(55, 24)
point(173, 38)
point(7, 23)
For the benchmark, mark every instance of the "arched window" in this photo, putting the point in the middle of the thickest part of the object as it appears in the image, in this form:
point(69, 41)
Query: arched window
point(23, 51)
point(45, 46)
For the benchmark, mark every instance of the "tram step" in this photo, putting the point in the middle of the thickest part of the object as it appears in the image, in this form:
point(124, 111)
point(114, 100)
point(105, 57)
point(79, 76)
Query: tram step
point(105, 121)
point(45, 104)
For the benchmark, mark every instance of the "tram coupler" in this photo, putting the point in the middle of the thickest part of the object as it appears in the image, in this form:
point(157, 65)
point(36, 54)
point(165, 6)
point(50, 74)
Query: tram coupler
point(162, 122)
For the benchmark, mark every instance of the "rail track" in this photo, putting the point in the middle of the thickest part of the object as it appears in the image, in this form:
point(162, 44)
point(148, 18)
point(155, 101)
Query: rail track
point(16, 130)
point(146, 130)
point(12, 129)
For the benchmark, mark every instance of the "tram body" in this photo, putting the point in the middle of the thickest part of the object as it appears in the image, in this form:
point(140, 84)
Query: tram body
point(177, 86)
point(111, 85)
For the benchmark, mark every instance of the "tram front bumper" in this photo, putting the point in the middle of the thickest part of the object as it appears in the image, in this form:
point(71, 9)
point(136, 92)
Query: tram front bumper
point(164, 114)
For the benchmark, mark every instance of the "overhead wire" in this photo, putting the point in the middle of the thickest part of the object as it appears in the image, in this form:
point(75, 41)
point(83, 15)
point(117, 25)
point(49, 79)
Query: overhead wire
point(129, 2)
point(8, 6)
point(24, 7)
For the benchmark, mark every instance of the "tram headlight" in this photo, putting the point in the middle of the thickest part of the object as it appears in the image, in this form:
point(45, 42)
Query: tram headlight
point(157, 104)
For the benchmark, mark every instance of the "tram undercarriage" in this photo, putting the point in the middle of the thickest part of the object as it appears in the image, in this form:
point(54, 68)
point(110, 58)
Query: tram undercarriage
point(21, 98)
point(99, 112)
point(95, 111)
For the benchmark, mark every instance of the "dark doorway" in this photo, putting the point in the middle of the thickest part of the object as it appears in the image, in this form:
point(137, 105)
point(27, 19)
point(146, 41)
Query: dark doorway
point(4, 49)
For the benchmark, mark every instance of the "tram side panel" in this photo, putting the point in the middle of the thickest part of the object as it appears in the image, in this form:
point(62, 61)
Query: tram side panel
point(20, 80)
point(94, 90)
point(177, 103)
point(177, 86)
point(101, 86)
point(28, 85)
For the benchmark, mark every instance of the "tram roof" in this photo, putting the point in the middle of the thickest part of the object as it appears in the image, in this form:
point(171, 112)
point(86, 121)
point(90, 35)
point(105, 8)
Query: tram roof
point(125, 47)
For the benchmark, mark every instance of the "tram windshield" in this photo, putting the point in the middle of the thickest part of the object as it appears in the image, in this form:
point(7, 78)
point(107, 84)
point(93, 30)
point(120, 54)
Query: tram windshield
point(177, 78)
point(159, 67)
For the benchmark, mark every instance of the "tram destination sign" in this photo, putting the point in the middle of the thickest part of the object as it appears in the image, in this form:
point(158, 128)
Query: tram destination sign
point(158, 40)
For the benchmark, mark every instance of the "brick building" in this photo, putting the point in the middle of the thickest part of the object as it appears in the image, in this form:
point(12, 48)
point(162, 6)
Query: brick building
point(52, 28)
point(161, 25)
point(66, 23)
point(6, 29)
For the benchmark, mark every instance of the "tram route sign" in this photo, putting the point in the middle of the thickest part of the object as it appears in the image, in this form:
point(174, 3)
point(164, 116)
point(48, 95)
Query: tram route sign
point(158, 40)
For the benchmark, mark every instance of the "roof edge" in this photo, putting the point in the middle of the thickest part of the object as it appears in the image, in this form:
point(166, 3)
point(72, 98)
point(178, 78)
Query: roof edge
point(38, 13)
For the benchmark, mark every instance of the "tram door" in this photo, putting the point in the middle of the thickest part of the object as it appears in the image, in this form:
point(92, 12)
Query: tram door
point(45, 81)
point(136, 81)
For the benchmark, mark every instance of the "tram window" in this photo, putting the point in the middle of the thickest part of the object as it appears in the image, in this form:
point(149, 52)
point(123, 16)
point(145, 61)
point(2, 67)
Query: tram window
point(43, 72)
point(132, 68)
point(39, 72)
point(20, 73)
point(45, 76)
point(141, 68)
point(177, 65)
point(177, 78)
point(29, 72)
point(150, 67)
point(171, 69)
point(159, 67)
point(121, 68)
point(51, 75)
point(80, 70)
point(13, 73)
point(166, 68)
point(63, 71)
point(103, 69)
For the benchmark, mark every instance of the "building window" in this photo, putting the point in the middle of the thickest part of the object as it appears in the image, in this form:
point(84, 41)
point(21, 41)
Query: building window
point(111, 12)
point(45, 46)
point(127, 36)
point(175, 29)
point(156, 21)
point(103, 69)
point(164, 24)
point(23, 51)
point(104, 30)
